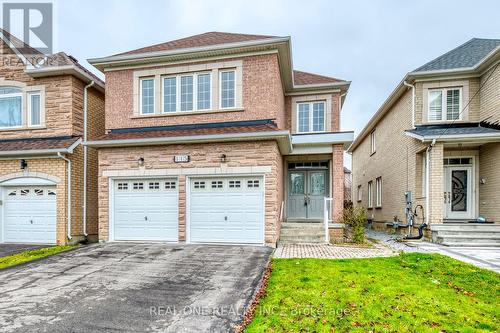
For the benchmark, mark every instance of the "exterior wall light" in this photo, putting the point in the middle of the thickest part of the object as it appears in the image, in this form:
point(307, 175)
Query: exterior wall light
point(140, 161)
point(223, 158)
point(23, 164)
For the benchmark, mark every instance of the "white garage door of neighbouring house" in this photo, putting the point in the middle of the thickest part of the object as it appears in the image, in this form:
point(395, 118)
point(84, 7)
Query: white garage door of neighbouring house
point(145, 210)
point(29, 214)
point(226, 210)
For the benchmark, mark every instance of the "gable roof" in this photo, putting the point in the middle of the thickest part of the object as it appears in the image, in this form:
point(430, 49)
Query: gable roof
point(204, 39)
point(483, 54)
point(304, 78)
point(467, 55)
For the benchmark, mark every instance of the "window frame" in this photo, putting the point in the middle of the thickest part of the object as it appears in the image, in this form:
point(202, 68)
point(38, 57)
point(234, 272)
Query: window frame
point(378, 192)
point(29, 95)
point(373, 142)
point(14, 95)
point(178, 92)
point(141, 80)
point(221, 71)
point(311, 116)
point(370, 194)
point(444, 104)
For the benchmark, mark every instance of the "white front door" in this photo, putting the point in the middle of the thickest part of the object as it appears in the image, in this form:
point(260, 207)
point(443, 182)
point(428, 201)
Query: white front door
point(29, 214)
point(226, 210)
point(458, 195)
point(145, 210)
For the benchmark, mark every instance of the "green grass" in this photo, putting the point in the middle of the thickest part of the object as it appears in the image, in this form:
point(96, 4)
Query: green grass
point(408, 293)
point(25, 256)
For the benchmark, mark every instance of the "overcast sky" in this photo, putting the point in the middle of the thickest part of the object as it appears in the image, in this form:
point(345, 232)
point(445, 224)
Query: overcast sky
point(371, 43)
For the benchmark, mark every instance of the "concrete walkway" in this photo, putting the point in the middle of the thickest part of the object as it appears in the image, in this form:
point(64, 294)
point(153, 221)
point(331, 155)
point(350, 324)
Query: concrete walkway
point(483, 257)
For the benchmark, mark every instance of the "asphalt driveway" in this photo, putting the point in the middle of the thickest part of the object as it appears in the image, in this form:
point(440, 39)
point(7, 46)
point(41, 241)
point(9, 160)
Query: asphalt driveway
point(129, 287)
point(9, 249)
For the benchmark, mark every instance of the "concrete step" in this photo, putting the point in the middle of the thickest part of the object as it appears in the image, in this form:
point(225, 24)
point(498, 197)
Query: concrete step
point(468, 240)
point(464, 244)
point(302, 225)
point(475, 233)
point(466, 227)
point(302, 239)
point(302, 232)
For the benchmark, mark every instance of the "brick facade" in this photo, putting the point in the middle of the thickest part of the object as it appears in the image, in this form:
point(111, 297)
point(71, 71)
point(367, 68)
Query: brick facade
point(242, 154)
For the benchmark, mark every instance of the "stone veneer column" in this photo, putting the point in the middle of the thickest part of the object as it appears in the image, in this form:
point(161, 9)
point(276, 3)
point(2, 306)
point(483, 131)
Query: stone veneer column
point(337, 181)
point(436, 186)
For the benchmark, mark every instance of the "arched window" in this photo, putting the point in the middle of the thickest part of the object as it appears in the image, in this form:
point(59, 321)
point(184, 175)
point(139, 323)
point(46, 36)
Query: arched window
point(11, 99)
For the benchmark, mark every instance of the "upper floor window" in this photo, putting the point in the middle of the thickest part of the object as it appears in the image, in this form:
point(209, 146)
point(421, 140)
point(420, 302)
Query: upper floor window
point(311, 117)
point(11, 108)
point(195, 92)
point(373, 142)
point(147, 96)
point(444, 104)
point(227, 90)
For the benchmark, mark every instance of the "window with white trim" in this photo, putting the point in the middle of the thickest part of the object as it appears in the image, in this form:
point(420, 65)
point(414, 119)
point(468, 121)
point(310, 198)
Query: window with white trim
point(378, 192)
point(147, 96)
point(204, 92)
point(11, 111)
point(34, 109)
point(311, 117)
point(373, 142)
point(227, 89)
point(187, 92)
point(370, 194)
point(444, 104)
point(170, 94)
point(360, 193)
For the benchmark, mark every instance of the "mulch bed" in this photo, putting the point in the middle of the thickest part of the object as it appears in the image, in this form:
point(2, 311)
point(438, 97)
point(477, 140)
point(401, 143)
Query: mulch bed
point(250, 313)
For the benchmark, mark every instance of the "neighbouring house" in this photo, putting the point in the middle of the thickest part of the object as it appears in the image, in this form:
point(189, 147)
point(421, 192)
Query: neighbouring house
point(437, 136)
point(347, 185)
point(42, 170)
point(216, 138)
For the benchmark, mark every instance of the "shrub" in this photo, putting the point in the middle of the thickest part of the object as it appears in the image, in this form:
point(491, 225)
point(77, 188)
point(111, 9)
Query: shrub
point(354, 220)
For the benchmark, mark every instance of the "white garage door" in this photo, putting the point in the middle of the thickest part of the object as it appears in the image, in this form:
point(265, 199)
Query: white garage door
point(145, 210)
point(226, 210)
point(30, 214)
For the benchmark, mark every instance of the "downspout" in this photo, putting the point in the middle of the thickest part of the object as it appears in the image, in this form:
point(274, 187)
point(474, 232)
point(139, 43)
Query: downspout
point(412, 102)
point(69, 193)
point(427, 179)
point(85, 108)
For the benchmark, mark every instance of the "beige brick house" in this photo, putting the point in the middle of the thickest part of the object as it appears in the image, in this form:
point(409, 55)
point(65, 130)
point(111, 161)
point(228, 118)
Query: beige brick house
point(41, 154)
point(216, 138)
point(437, 136)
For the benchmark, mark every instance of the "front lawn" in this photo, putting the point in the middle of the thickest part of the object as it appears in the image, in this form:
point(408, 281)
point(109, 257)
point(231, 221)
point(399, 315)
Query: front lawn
point(25, 256)
point(408, 293)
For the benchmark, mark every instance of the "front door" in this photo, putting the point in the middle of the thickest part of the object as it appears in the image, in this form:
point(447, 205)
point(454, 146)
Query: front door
point(458, 199)
point(306, 193)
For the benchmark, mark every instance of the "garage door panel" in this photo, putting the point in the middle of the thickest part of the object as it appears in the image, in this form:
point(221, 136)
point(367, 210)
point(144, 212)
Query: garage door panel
point(30, 214)
point(146, 210)
point(226, 210)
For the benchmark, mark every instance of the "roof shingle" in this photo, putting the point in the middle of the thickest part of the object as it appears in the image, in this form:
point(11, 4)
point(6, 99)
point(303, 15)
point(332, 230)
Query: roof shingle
point(205, 39)
point(37, 143)
point(466, 55)
point(304, 78)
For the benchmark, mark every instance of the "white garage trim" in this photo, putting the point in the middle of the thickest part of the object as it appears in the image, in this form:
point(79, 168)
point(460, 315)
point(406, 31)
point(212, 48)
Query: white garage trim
point(188, 202)
point(111, 205)
point(160, 173)
point(35, 177)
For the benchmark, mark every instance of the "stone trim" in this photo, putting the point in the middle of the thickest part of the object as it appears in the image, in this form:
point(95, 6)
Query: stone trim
point(187, 171)
point(41, 175)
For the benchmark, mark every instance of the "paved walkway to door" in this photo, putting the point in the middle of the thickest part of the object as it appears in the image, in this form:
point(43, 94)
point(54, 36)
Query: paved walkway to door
point(325, 251)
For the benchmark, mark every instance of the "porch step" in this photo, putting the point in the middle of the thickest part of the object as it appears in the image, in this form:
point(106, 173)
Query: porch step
point(302, 232)
point(470, 235)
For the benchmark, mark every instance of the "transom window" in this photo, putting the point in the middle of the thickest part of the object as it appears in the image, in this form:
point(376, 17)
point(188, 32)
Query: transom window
point(227, 91)
point(253, 183)
point(169, 185)
point(154, 186)
point(217, 184)
point(138, 186)
point(311, 117)
point(147, 96)
point(199, 185)
point(123, 186)
point(234, 184)
point(444, 104)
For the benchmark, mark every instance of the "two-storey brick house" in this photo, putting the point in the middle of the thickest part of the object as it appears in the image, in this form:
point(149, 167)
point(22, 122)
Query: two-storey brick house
point(215, 138)
point(42, 105)
point(437, 136)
